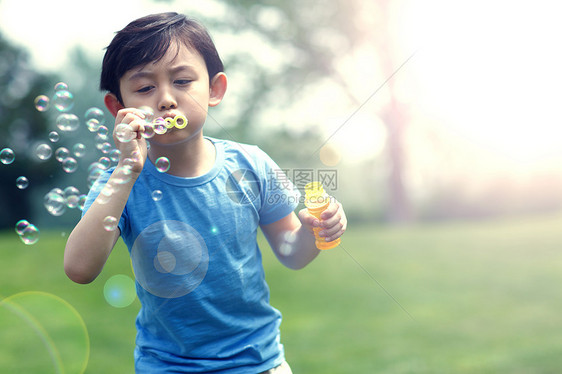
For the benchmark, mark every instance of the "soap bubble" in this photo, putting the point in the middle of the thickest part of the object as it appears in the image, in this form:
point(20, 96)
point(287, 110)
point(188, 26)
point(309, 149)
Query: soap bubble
point(54, 136)
point(105, 162)
point(73, 201)
point(148, 131)
point(162, 164)
point(22, 183)
point(71, 196)
point(119, 291)
point(96, 114)
point(70, 191)
point(63, 100)
point(94, 172)
point(110, 223)
point(122, 174)
point(160, 126)
point(30, 235)
point(157, 195)
point(148, 113)
point(82, 201)
point(124, 133)
point(68, 122)
point(106, 193)
point(114, 155)
point(7, 156)
point(79, 150)
point(21, 225)
point(69, 165)
point(103, 132)
point(105, 147)
point(93, 124)
point(43, 151)
point(61, 86)
point(42, 103)
point(61, 153)
point(54, 202)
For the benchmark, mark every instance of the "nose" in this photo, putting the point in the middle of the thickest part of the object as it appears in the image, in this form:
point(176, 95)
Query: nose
point(167, 101)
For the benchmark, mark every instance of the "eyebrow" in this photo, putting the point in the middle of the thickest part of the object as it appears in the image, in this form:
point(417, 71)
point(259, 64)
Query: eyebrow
point(172, 71)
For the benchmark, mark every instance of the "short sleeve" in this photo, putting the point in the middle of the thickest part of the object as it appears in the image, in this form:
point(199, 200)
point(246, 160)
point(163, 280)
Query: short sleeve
point(278, 194)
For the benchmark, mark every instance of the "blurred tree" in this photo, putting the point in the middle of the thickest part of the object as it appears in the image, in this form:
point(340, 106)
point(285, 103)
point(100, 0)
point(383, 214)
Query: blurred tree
point(312, 36)
point(21, 126)
point(277, 52)
point(395, 116)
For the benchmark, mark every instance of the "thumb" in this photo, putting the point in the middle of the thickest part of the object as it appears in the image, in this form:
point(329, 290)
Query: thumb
point(308, 220)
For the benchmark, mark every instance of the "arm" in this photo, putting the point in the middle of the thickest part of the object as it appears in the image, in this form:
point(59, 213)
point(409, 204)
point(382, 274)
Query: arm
point(292, 239)
point(89, 244)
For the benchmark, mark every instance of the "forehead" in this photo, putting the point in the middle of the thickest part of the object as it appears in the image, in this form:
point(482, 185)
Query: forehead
point(179, 54)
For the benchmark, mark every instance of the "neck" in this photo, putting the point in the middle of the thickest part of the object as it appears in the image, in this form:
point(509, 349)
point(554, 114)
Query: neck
point(188, 159)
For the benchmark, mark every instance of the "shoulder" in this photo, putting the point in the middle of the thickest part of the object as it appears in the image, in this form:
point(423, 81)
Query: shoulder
point(242, 152)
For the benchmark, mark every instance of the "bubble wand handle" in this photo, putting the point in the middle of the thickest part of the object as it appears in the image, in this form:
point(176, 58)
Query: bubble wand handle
point(316, 201)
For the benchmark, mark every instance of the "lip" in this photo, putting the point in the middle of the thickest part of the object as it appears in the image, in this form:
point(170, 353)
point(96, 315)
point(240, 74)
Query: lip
point(169, 115)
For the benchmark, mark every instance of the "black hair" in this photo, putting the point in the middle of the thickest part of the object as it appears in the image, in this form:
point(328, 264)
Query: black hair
point(147, 39)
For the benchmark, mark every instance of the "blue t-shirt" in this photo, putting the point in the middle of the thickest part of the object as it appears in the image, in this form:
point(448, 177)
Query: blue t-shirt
point(199, 275)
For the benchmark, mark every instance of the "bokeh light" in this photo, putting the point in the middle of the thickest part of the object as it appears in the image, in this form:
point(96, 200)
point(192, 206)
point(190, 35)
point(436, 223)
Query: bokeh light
point(119, 291)
point(47, 327)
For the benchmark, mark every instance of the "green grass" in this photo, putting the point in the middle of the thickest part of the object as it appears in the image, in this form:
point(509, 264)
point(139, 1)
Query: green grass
point(437, 298)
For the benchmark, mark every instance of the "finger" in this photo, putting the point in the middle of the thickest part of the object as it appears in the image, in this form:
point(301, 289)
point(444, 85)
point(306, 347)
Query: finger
point(307, 219)
point(333, 232)
point(127, 115)
point(137, 126)
point(330, 210)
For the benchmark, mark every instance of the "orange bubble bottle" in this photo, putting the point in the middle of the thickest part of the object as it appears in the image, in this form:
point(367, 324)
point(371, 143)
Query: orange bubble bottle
point(316, 201)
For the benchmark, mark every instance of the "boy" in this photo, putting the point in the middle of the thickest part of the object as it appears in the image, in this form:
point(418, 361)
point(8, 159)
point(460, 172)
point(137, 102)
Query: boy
point(205, 304)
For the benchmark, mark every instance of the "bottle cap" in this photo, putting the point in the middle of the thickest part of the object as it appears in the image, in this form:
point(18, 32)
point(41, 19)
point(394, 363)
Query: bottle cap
point(313, 190)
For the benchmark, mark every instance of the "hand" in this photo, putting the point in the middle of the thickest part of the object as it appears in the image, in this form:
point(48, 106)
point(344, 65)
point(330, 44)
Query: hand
point(127, 135)
point(333, 221)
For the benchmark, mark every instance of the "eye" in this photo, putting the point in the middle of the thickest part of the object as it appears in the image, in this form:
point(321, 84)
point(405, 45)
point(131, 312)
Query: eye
point(182, 82)
point(145, 89)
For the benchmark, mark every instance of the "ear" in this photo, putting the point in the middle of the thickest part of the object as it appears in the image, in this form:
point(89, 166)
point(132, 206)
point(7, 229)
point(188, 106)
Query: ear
point(112, 103)
point(217, 89)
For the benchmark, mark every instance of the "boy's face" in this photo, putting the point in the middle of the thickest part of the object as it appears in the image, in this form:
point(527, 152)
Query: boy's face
point(178, 84)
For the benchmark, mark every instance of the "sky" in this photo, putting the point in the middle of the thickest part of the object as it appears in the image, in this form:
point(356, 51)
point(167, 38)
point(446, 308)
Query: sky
point(54, 27)
point(484, 72)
